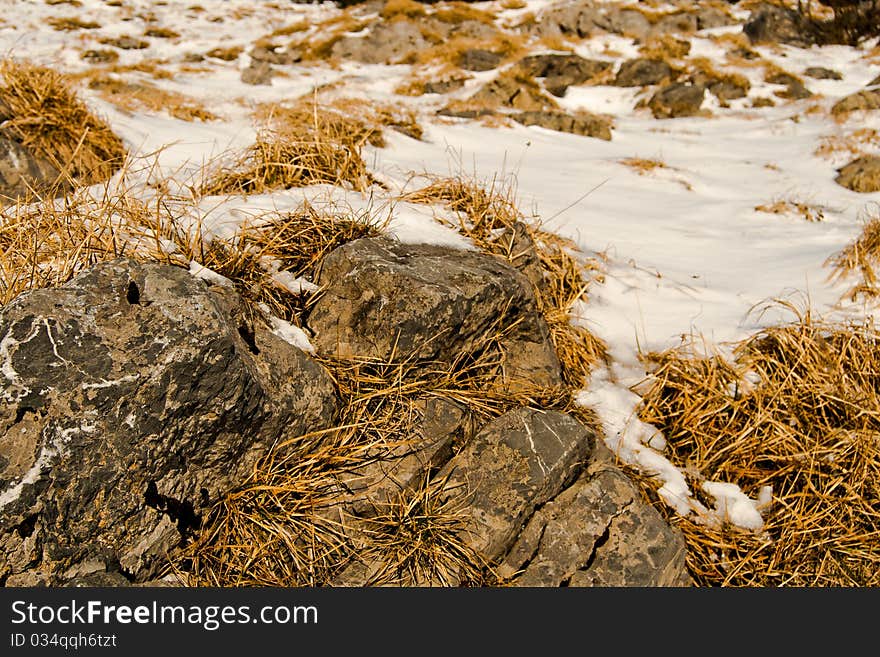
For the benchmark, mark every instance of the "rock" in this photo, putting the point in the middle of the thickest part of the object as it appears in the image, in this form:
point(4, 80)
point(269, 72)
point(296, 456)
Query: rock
point(626, 22)
point(367, 490)
point(134, 399)
point(861, 175)
point(822, 73)
point(771, 23)
point(257, 73)
point(513, 91)
point(382, 298)
point(386, 43)
point(642, 72)
point(576, 19)
point(725, 90)
point(676, 100)
point(874, 82)
point(100, 56)
point(795, 88)
point(126, 42)
point(680, 22)
point(562, 71)
point(275, 55)
point(22, 172)
point(478, 59)
point(443, 86)
point(709, 18)
point(520, 250)
point(598, 532)
point(582, 123)
point(512, 466)
point(866, 100)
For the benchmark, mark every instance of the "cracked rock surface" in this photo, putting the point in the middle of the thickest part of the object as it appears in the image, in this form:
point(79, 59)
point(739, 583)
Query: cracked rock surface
point(130, 402)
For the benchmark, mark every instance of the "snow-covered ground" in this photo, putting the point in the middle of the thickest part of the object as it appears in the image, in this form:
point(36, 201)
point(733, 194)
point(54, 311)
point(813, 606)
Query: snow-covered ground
point(684, 251)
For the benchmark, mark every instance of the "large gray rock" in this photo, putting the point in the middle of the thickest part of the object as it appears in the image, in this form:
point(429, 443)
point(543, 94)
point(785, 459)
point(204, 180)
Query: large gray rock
point(598, 532)
point(382, 298)
point(132, 398)
point(22, 173)
point(511, 467)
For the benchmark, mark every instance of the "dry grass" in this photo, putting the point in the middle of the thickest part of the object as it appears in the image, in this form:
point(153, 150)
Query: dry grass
point(665, 47)
point(860, 256)
point(460, 12)
point(797, 410)
point(402, 9)
point(44, 114)
point(161, 33)
point(299, 146)
point(807, 211)
point(484, 215)
point(142, 96)
point(70, 24)
point(643, 165)
point(449, 52)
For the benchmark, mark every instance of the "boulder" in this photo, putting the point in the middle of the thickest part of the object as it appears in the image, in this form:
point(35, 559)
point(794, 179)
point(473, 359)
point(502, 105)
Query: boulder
point(642, 72)
point(676, 100)
point(709, 17)
point(680, 22)
point(134, 397)
point(443, 86)
point(772, 23)
point(385, 43)
point(275, 55)
point(861, 175)
point(514, 92)
point(794, 86)
point(581, 123)
point(626, 22)
point(561, 71)
point(598, 532)
point(515, 464)
point(384, 299)
point(22, 172)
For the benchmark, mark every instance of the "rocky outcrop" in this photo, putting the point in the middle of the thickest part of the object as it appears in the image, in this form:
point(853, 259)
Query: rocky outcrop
point(512, 466)
point(562, 71)
point(384, 299)
point(861, 175)
point(133, 397)
point(581, 123)
point(675, 100)
point(386, 43)
point(598, 532)
point(774, 23)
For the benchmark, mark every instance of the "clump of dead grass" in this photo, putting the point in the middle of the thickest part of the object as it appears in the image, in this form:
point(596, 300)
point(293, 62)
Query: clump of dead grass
point(71, 23)
point(485, 215)
point(856, 143)
point(807, 211)
point(795, 409)
point(299, 146)
point(140, 96)
point(42, 112)
point(861, 256)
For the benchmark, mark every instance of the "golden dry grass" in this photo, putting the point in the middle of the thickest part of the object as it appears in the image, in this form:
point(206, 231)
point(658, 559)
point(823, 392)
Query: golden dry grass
point(70, 24)
point(643, 165)
point(44, 114)
point(143, 96)
point(807, 211)
point(797, 410)
point(665, 47)
point(393, 9)
point(861, 257)
point(301, 145)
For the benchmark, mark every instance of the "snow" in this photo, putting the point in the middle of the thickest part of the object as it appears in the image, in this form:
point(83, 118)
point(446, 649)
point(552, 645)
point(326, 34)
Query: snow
point(684, 252)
